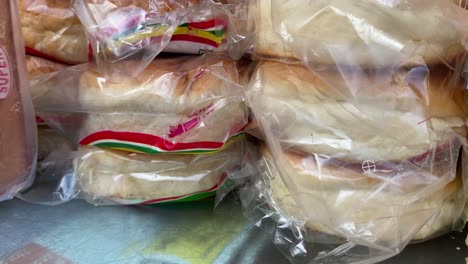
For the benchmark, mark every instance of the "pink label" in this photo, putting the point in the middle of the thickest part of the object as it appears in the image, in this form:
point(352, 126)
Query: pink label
point(5, 74)
point(194, 120)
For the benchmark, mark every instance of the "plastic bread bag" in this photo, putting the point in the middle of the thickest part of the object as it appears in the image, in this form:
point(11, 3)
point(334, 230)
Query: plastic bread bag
point(121, 31)
point(183, 104)
point(370, 33)
point(148, 179)
point(141, 30)
point(107, 177)
point(353, 176)
point(51, 30)
point(212, 26)
point(18, 148)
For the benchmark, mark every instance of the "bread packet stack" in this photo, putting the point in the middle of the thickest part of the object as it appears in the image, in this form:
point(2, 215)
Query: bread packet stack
point(141, 130)
point(360, 106)
point(171, 134)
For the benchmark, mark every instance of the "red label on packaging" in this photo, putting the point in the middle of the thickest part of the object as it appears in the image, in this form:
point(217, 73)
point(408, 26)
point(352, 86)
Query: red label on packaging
point(5, 74)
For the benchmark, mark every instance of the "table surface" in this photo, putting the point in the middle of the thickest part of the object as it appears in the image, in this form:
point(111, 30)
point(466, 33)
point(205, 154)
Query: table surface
point(77, 232)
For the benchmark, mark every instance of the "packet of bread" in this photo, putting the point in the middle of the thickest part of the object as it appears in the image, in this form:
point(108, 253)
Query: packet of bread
point(17, 124)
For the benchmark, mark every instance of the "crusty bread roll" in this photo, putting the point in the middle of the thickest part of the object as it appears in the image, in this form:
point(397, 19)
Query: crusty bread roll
point(118, 176)
point(368, 33)
point(381, 117)
point(415, 204)
point(50, 28)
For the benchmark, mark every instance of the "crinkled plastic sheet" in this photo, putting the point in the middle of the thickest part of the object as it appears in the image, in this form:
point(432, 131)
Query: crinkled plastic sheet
point(140, 30)
point(18, 146)
point(361, 109)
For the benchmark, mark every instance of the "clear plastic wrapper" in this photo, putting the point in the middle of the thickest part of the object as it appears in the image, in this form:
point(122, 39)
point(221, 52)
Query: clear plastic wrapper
point(51, 30)
point(140, 30)
point(146, 179)
point(359, 160)
point(370, 33)
point(183, 104)
point(104, 177)
point(18, 148)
